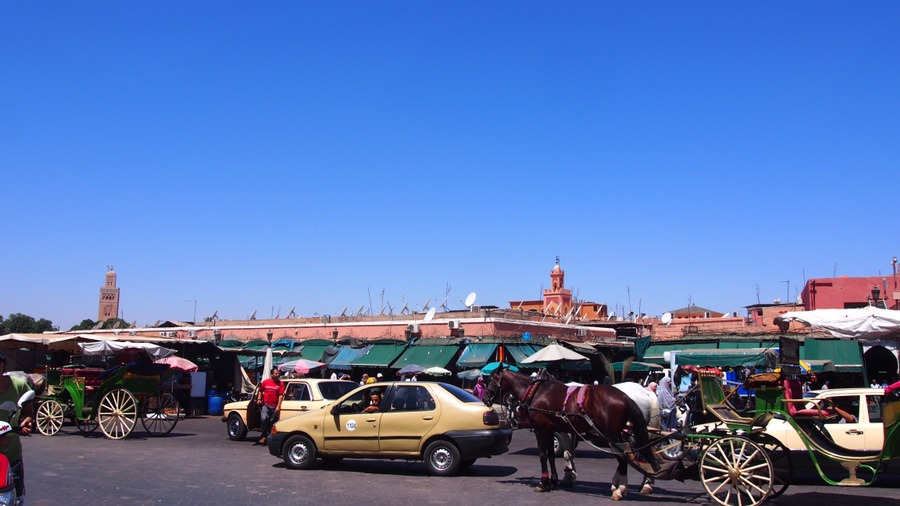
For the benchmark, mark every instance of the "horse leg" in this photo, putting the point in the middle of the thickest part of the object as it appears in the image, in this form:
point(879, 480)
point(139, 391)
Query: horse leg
point(569, 473)
point(619, 487)
point(542, 451)
point(551, 455)
point(647, 487)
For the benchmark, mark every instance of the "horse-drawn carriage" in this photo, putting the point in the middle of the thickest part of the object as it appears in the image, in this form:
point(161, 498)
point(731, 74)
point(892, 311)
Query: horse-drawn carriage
point(109, 398)
point(736, 461)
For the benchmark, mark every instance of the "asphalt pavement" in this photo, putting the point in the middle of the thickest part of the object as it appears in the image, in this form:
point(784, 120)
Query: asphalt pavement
point(198, 464)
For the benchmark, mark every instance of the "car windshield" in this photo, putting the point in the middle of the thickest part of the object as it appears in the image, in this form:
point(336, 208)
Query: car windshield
point(331, 390)
point(459, 393)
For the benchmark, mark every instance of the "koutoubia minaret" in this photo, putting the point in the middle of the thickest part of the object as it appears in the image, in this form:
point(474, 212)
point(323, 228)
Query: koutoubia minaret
point(557, 300)
point(109, 297)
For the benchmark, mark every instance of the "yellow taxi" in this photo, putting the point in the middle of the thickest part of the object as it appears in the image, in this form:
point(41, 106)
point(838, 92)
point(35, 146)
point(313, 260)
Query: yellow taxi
point(300, 395)
point(443, 425)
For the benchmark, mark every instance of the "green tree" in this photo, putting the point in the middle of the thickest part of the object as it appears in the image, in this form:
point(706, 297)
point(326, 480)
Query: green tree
point(86, 324)
point(114, 323)
point(18, 323)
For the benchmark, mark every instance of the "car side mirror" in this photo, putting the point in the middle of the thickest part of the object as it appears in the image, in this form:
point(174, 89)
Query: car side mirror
point(335, 410)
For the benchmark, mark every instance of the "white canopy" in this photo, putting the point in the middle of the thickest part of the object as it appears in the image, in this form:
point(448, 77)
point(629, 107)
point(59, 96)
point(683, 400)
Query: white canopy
point(554, 353)
point(111, 347)
point(857, 322)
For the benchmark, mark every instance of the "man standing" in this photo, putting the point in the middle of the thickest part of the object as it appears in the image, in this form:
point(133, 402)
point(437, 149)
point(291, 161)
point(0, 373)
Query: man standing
point(11, 389)
point(271, 393)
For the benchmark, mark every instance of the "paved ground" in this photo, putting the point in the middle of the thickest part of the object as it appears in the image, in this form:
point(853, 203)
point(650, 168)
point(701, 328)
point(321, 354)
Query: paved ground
point(197, 464)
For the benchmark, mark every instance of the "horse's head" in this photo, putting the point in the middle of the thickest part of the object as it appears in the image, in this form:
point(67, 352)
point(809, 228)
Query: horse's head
point(494, 391)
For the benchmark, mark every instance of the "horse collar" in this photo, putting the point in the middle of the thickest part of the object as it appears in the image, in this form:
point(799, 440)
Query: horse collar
point(530, 391)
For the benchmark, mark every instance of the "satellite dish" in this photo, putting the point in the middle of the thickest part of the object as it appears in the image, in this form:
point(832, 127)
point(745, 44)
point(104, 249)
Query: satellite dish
point(443, 304)
point(470, 299)
point(430, 315)
point(666, 318)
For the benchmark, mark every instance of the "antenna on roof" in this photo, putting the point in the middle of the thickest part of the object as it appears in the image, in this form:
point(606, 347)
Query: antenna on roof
point(443, 304)
point(390, 308)
point(292, 313)
point(430, 315)
point(344, 311)
point(253, 315)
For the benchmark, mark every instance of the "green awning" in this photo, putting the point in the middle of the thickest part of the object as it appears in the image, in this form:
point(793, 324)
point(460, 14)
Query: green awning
point(345, 358)
point(733, 357)
point(427, 355)
point(846, 354)
point(638, 366)
point(519, 352)
point(476, 355)
point(314, 350)
point(655, 352)
point(379, 355)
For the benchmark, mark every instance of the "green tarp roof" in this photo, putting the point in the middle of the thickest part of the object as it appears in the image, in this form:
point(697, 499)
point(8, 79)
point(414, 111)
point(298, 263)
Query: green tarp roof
point(846, 354)
point(519, 352)
point(733, 357)
point(313, 351)
point(476, 355)
point(428, 354)
point(637, 366)
point(345, 358)
point(379, 355)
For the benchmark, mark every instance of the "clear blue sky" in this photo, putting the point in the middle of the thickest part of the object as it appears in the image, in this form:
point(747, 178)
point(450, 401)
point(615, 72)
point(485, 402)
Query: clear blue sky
point(252, 156)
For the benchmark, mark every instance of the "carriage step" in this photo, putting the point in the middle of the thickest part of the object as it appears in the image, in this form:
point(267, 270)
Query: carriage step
point(852, 480)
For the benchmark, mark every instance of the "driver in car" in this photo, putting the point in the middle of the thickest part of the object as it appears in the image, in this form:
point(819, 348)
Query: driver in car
point(374, 402)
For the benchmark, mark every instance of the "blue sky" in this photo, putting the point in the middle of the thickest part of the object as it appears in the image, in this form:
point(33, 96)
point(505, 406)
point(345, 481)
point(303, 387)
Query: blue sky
point(254, 156)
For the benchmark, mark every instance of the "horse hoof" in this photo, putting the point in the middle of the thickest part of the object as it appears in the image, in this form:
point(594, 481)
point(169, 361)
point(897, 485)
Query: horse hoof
point(616, 496)
point(540, 489)
point(646, 490)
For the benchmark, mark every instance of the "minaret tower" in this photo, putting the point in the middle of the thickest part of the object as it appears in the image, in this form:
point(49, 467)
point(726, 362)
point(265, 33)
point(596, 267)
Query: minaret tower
point(557, 300)
point(109, 297)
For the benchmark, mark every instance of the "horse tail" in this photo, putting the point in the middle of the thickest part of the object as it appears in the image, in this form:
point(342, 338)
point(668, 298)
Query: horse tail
point(642, 437)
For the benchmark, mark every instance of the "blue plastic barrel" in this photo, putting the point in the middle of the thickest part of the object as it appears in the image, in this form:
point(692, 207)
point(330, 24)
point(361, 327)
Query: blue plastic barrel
point(216, 405)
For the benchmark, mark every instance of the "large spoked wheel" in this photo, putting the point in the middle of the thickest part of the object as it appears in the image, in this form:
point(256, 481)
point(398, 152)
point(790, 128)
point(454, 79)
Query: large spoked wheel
point(117, 414)
point(782, 463)
point(442, 458)
point(49, 417)
point(299, 452)
point(160, 414)
point(736, 472)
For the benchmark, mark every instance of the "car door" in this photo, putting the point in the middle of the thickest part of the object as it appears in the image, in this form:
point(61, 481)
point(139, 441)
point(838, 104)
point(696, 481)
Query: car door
point(874, 425)
point(410, 414)
point(297, 398)
point(847, 433)
point(348, 429)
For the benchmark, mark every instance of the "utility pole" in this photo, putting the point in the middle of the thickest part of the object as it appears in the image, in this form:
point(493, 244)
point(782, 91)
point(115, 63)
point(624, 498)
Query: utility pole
point(194, 321)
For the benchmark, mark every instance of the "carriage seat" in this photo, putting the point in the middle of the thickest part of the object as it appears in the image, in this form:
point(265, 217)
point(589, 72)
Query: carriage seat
point(795, 403)
point(91, 376)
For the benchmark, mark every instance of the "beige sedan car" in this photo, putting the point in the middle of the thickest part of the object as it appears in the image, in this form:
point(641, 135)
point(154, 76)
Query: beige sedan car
point(300, 395)
point(441, 424)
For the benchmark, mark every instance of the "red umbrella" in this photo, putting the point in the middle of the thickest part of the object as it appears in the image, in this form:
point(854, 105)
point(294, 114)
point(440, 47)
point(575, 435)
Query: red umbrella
point(178, 363)
point(300, 365)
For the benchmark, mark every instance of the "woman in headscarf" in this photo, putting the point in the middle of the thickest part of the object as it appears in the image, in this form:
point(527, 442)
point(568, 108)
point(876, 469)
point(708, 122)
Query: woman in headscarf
point(479, 389)
point(666, 403)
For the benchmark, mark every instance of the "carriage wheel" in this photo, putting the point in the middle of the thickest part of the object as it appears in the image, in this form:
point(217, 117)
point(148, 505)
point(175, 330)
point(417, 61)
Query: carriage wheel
point(49, 417)
point(117, 413)
point(86, 425)
point(160, 414)
point(782, 463)
point(736, 471)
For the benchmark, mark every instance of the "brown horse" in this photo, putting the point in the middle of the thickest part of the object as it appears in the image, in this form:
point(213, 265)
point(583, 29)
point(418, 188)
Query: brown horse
point(597, 413)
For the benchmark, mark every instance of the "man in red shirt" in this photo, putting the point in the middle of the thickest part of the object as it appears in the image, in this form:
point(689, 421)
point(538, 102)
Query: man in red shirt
point(271, 392)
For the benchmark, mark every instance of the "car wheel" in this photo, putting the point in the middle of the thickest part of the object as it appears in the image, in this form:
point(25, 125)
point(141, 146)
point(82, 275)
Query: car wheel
point(442, 458)
point(236, 428)
point(299, 452)
point(560, 443)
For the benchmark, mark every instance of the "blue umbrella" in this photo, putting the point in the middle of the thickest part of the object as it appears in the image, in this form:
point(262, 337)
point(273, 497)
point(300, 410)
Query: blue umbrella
point(411, 369)
point(489, 368)
point(471, 374)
